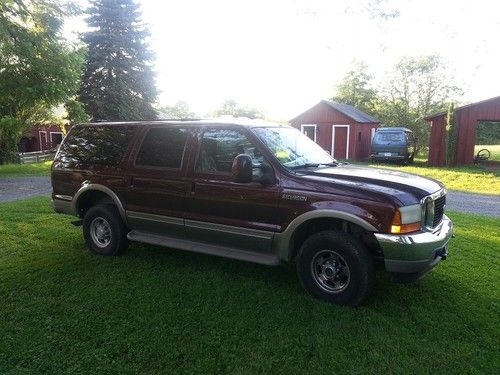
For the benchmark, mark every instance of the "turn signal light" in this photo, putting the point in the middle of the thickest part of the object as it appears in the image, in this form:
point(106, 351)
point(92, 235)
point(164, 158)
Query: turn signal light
point(397, 227)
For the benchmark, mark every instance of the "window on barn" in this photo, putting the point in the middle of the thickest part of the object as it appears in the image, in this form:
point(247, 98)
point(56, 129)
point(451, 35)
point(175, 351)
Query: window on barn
point(56, 138)
point(309, 130)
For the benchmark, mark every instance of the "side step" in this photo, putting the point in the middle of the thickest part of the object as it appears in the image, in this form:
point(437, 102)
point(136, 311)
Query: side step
point(203, 248)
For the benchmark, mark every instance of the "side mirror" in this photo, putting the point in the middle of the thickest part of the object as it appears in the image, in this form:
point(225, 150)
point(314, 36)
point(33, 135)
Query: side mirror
point(242, 169)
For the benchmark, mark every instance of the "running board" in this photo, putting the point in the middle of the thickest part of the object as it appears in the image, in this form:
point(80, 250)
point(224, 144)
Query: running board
point(203, 248)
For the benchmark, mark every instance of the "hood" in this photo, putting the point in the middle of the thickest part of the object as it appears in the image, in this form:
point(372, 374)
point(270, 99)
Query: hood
point(382, 181)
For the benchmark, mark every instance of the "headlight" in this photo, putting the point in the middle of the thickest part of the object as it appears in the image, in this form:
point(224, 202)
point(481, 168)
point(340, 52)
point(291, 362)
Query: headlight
point(407, 219)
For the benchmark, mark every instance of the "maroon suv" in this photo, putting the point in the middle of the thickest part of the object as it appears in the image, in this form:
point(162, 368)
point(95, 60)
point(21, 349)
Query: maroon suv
point(252, 191)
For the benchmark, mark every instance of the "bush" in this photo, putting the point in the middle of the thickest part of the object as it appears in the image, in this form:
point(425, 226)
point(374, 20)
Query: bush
point(10, 131)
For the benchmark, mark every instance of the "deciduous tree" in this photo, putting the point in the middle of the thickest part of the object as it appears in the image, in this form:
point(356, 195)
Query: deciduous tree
point(178, 110)
point(39, 69)
point(418, 86)
point(356, 89)
point(232, 108)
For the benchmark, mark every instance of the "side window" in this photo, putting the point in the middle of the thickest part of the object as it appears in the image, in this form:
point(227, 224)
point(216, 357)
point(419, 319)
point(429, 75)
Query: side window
point(219, 147)
point(163, 147)
point(96, 144)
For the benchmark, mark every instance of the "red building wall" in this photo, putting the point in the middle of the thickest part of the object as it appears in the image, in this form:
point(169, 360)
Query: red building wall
point(467, 118)
point(325, 117)
point(40, 138)
point(437, 141)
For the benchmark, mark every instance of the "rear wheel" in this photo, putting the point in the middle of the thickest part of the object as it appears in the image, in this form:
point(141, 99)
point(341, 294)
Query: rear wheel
point(104, 230)
point(334, 267)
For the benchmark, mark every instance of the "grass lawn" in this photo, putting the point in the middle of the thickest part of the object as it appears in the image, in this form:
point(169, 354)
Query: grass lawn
point(471, 179)
point(493, 149)
point(34, 169)
point(157, 310)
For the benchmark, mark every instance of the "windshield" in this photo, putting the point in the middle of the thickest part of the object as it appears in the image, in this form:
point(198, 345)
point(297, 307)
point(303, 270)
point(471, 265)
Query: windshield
point(385, 137)
point(292, 148)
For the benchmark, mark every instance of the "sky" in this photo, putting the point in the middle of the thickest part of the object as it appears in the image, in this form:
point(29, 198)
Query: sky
point(284, 56)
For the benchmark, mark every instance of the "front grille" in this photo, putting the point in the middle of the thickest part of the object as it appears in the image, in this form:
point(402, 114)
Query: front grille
point(439, 205)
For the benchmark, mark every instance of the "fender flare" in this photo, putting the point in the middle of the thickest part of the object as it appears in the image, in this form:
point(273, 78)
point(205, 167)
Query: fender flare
point(98, 187)
point(282, 244)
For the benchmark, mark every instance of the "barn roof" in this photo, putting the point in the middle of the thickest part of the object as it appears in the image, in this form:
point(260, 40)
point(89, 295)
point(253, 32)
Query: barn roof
point(347, 110)
point(434, 115)
point(350, 111)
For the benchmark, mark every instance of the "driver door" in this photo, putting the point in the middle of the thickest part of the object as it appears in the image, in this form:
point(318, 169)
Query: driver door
point(221, 211)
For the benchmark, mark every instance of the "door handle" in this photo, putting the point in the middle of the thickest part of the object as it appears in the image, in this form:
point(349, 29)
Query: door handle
point(193, 186)
point(131, 181)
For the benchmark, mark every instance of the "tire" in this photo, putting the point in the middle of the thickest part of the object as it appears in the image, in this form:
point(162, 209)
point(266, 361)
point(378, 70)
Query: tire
point(321, 268)
point(97, 223)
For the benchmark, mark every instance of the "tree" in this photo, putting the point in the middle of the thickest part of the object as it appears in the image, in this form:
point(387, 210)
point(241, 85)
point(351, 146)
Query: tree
point(118, 80)
point(418, 87)
point(39, 69)
point(356, 89)
point(176, 111)
point(232, 108)
point(75, 112)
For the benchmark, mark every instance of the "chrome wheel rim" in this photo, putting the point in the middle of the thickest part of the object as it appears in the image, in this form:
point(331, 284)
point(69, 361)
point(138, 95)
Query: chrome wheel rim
point(100, 232)
point(330, 271)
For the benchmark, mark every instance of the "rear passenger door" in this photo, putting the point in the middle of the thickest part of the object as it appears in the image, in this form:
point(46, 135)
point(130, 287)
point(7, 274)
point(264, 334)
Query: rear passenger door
point(157, 185)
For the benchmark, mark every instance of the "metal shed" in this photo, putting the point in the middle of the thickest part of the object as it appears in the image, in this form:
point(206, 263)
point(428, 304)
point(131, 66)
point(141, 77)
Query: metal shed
point(467, 118)
point(344, 131)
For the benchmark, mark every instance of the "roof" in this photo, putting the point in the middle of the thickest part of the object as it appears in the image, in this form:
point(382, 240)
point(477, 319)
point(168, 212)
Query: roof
point(347, 110)
point(350, 111)
point(227, 120)
point(386, 129)
point(462, 107)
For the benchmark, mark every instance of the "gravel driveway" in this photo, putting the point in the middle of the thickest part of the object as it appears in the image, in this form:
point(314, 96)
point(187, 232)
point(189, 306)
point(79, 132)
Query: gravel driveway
point(14, 188)
point(488, 205)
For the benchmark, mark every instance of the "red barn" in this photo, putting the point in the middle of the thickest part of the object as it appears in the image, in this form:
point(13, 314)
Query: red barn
point(41, 138)
point(467, 118)
point(342, 130)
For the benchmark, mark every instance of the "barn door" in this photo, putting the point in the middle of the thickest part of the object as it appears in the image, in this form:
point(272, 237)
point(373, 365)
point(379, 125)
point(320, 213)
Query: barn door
point(43, 139)
point(340, 141)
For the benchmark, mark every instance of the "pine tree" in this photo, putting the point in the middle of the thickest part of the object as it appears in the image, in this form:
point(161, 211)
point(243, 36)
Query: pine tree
point(118, 80)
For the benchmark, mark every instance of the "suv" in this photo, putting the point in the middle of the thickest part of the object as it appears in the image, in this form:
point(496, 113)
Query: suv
point(397, 144)
point(252, 191)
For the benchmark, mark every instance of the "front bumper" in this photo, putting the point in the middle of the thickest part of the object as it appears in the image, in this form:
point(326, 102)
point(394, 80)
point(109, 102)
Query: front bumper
point(415, 254)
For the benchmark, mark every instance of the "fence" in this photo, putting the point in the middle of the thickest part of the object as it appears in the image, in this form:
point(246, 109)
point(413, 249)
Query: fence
point(35, 157)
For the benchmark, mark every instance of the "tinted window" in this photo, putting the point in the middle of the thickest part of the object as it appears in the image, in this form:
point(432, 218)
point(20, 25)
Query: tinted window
point(163, 147)
point(219, 147)
point(95, 144)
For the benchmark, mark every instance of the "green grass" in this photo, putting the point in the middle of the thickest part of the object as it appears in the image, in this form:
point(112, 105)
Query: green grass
point(157, 310)
point(34, 169)
point(493, 149)
point(471, 179)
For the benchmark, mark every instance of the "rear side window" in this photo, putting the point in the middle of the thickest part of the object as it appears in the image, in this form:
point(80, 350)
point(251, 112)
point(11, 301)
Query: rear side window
point(95, 144)
point(163, 147)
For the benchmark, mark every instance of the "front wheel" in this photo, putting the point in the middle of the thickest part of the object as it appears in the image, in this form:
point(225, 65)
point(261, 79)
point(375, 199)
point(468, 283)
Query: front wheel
point(104, 231)
point(334, 267)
